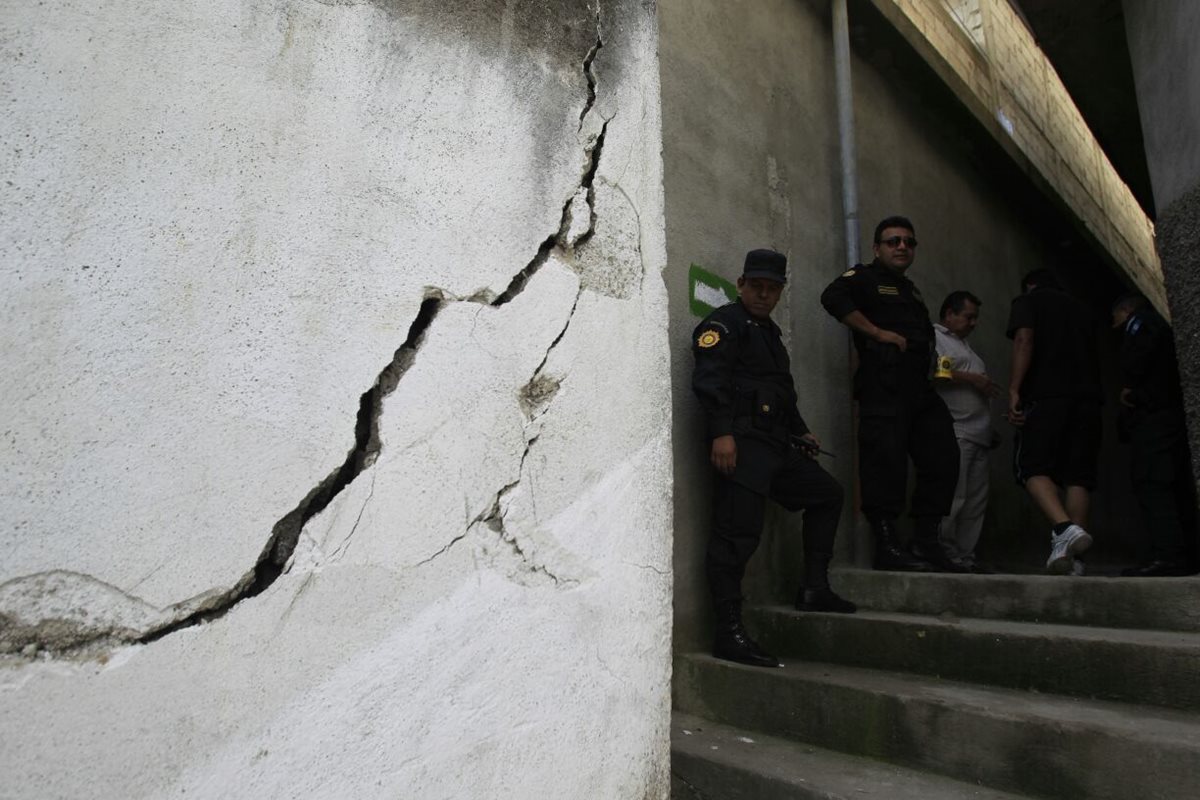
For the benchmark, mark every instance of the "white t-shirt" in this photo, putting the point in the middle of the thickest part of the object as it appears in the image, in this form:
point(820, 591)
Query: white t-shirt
point(970, 409)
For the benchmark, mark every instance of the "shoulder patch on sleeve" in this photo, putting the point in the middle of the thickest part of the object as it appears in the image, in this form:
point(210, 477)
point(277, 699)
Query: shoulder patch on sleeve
point(849, 273)
point(708, 339)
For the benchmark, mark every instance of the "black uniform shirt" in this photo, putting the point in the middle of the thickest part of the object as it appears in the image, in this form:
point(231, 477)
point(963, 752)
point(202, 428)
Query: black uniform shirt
point(743, 377)
point(1148, 363)
point(885, 297)
point(1064, 362)
point(890, 301)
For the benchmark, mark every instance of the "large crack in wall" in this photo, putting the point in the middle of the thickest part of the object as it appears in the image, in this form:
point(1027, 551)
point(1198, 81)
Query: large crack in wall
point(539, 391)
point(577, 224)
point(286, 532)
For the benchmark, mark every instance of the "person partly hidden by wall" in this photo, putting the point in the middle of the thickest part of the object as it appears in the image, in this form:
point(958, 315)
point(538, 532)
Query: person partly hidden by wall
point(1151, 419)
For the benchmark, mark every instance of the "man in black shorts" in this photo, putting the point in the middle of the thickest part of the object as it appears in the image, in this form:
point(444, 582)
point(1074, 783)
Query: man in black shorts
point(1054, 401)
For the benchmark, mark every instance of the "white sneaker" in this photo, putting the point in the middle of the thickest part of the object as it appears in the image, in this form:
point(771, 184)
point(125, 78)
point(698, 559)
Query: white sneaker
point(1077, 568)
point(1064, 547)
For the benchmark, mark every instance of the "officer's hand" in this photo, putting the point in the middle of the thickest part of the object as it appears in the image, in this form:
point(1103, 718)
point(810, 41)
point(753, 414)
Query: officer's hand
point(811, 445)
point(724, 454)
point(1015, 415)
point(1126, 398)
point(891, 337)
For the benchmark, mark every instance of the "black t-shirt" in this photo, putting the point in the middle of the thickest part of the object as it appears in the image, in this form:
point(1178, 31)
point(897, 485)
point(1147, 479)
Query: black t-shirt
point(1065, 363)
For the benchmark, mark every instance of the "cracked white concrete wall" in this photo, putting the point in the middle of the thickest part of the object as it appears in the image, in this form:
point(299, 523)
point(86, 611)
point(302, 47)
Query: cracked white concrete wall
point(221, 221)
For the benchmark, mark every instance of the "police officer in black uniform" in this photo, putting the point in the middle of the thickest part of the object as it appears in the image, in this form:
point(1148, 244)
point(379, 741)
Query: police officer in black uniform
point(1151, 419)
point(900, 413)
point(760, 447)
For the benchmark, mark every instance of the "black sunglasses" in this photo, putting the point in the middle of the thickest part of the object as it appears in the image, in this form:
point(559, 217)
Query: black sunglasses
point(894, 241)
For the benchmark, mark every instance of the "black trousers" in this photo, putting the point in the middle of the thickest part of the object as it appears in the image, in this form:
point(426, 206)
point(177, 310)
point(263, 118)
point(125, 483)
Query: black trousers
point(1162, 482)
point(890, 431)
point(800, 484)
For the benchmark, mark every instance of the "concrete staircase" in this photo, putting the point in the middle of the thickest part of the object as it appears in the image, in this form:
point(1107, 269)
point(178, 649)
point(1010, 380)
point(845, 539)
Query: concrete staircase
point(948, 686)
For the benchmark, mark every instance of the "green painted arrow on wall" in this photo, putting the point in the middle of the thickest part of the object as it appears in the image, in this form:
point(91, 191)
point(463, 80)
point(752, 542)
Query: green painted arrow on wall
point(708, 291)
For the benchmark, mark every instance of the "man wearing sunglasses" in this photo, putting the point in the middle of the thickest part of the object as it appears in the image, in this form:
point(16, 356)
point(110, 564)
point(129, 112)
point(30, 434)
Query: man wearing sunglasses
point(900, 413)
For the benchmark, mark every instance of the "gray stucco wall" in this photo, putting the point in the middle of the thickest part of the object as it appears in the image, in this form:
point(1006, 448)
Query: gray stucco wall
point(1178, 240)
point(751, 160)
point(1166, 68)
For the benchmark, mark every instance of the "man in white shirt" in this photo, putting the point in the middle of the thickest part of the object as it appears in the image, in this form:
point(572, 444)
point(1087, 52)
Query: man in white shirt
point(962, 381)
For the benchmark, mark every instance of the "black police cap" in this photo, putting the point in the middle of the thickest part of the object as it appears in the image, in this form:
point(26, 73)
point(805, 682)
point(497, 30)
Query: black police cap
point(765, 264)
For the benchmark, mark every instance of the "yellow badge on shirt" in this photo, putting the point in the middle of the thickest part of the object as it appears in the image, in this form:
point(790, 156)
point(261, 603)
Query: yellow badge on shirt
point(943, 368)
point(708, 339)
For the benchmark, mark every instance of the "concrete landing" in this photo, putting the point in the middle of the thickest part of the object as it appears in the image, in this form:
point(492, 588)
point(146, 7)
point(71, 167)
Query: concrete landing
point(710, 761)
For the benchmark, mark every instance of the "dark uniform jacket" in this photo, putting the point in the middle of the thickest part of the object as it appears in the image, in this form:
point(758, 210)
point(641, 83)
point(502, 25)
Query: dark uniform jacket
point(890, 301)
point(1148, 368)
point(743, 379)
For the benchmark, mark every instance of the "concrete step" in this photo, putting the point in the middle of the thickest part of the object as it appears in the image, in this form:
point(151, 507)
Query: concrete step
point(1157, 667)
point(1139, 603)
point(710, 761)
point(1016, 741)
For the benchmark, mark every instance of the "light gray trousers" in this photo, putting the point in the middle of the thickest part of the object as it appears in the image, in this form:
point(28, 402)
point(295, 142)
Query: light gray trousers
point(961, 529)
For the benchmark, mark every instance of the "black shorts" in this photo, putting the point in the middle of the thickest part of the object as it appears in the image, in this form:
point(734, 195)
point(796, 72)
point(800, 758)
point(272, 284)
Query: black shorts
point(1061, 440)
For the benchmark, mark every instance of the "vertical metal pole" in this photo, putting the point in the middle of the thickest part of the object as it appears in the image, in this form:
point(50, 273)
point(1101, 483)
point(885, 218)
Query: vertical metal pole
point(845, 112)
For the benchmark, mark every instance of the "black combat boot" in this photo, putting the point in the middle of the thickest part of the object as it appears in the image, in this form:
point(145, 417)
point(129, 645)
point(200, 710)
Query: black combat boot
point(732, 643)
point(888, 552)
point(823, 599)
point(815, 594)
point(927, 546)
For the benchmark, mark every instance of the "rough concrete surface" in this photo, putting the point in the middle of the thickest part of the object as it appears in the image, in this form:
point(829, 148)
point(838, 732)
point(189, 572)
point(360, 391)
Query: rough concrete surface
point(1178, 245)
point(1064, 747)
point(1166, 71)
point(1133, 666)
point(213, 251)
point(1171, 604)
point(1166, 68)
point(377, 280)
point(733, 764)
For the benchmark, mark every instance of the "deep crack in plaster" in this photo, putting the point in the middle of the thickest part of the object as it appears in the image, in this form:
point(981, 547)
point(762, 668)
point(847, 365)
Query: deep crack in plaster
point(537, 394)
point(587, 69)
point(285, 534)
